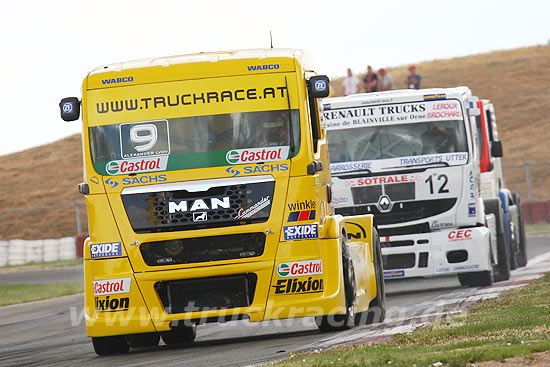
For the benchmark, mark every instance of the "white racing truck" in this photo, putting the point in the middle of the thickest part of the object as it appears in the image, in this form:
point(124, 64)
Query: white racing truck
point(410, 158)
point(493, 187)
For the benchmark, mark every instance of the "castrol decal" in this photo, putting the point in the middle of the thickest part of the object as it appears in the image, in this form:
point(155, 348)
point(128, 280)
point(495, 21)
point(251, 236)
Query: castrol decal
point(253, 155)
point(300, 268)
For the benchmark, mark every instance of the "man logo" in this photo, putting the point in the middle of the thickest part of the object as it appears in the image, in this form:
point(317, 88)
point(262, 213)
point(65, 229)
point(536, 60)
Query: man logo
point(199, 217)
point(384, 203)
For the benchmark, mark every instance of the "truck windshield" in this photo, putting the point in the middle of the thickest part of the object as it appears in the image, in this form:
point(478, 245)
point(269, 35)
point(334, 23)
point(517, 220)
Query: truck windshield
point(394, 141)
point(200, 141)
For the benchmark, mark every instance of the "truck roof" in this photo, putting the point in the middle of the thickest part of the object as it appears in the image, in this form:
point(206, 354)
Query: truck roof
point(260, 53)
point(400, 95)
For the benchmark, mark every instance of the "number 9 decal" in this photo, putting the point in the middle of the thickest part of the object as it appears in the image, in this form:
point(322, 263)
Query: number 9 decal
point(146, 133)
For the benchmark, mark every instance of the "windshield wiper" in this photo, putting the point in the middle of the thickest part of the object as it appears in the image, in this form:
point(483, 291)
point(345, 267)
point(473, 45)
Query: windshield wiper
point(355, 172)
point(443, 164)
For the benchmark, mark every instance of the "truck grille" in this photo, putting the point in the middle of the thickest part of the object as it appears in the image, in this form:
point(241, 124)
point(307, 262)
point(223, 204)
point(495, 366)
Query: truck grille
point(371, 194)
point(402, 212)
point(178, 206)
point(203, 294)
point(203, 249)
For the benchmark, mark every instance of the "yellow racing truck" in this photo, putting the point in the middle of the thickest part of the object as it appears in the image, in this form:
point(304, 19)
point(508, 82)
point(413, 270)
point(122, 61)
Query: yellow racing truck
point(207, 185)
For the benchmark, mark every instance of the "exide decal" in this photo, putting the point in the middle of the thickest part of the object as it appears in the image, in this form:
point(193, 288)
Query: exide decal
point(112, 286)
point(105, 249)
point(297, 286)
point(127, 166)
point(300, 268)
point(300, 231)
point(253, 155)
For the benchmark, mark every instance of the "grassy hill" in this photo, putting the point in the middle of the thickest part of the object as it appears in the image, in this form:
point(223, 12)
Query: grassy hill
point(517, 81)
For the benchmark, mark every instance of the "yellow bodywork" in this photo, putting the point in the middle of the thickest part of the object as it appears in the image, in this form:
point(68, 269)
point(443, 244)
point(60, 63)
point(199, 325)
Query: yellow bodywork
point(120, 291)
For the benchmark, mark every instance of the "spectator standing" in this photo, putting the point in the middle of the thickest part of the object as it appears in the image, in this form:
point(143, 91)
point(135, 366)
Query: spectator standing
point(370, 81)
point(386, 81)
point(350, 84)
point(413, 80)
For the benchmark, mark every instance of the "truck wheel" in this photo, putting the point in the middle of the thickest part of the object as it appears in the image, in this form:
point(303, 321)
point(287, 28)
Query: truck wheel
point(144, 340)
point(501, 270)
point(346, 321)
point(182, 335)
point(377, 307)
point(107, 345)
point(520, 234)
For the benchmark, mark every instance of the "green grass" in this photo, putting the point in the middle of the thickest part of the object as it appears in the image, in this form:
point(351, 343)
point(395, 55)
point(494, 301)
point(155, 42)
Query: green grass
point(42, 265)
point(20, 293)
point(537, 228)
point(516, 323)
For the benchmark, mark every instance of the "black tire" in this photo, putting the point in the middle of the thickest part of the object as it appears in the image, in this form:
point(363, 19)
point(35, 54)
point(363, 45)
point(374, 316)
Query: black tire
point(180, 335)
point(144, 340)
point(342, 322)
point(521, 238)
point(501, 270)
point(377, 307)
point(108, 345)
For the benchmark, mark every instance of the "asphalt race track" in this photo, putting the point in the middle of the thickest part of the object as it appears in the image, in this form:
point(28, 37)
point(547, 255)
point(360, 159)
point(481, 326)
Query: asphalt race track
point(52, 332)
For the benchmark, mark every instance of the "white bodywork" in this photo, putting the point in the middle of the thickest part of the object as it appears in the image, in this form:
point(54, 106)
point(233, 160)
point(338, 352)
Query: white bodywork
point(422, 200)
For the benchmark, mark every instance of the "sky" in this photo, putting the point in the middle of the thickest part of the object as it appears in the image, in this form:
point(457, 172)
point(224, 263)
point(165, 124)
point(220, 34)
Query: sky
point(47, 47)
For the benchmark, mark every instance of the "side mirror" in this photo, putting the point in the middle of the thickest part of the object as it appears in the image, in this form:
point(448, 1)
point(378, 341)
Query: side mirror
point(319, 86)
point(69, 108)
point(496, 149)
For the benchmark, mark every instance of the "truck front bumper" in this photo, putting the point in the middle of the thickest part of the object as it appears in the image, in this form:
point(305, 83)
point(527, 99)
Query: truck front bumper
point(449, 251)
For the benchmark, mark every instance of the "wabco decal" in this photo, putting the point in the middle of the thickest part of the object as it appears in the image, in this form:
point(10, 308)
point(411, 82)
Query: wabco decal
point(109, 304)
point(261, 168)
point(199, 204)
point(250, 211)
point(136, 180)
point(263, 67)
point(388, 274)
point(300, 268)
point(187, 99)
point(243, 156)
point(125, 79)
point(112, 286)
point(105, 249)
point(301, 216)
point(296, 286)
point(127, 166)
point(300, 231)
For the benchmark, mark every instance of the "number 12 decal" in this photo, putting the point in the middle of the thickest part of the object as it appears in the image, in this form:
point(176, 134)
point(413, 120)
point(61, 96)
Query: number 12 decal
point(442, 188)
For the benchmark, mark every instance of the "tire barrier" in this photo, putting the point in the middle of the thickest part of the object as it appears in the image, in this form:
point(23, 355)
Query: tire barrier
point(536, 211)
point(19, 252)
